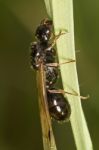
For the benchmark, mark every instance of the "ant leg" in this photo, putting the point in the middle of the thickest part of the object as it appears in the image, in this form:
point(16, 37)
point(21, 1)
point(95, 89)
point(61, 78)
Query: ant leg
point(65, 92)
point(56, 37)
point(58, 64)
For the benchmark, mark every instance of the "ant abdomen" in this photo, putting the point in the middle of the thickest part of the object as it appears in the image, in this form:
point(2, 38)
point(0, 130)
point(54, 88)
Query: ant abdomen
point(59, 107)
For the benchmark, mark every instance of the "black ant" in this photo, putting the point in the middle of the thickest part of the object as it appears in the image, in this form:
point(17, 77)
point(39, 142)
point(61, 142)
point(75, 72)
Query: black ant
point(43, 52)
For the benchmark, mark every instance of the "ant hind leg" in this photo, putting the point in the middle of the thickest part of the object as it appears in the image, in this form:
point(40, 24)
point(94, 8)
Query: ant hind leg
point(65, 92)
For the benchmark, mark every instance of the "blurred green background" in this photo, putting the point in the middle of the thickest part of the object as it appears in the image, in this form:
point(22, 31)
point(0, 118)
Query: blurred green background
point(19, 114)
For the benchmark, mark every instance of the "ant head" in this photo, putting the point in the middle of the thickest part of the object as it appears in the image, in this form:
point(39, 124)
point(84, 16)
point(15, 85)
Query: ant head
point(43, 31)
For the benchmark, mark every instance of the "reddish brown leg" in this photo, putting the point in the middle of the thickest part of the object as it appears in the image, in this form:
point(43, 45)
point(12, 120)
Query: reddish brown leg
point(65, 92)
point(56, 37)
point(59, 64)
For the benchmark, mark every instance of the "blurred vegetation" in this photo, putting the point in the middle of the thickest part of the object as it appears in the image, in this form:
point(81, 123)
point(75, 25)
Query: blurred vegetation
point(19, 114)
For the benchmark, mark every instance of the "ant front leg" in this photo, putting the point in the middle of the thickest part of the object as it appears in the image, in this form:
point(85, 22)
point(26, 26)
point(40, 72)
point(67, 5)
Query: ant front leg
point(56, 37)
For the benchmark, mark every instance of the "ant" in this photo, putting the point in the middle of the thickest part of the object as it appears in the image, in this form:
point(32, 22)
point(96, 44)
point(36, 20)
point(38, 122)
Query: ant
point(43, 52)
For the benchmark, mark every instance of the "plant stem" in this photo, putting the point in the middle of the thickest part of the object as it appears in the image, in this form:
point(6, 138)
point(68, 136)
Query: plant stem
point(61, 12)
point(47, 132)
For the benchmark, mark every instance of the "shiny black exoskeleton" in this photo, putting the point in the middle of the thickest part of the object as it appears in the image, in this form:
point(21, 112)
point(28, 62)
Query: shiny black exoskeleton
point(39, 53)
point(49, 55)
point(51, 76)
point(35, 55)
point(42, 51)
point(44, 30)
point(59, 107)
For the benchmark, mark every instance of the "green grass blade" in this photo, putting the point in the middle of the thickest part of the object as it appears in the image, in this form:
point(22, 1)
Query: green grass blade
point(61, 11)
point(48, 4)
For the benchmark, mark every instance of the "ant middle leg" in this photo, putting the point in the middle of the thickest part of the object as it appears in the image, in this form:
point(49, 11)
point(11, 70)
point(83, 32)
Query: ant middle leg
point(59, 64)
